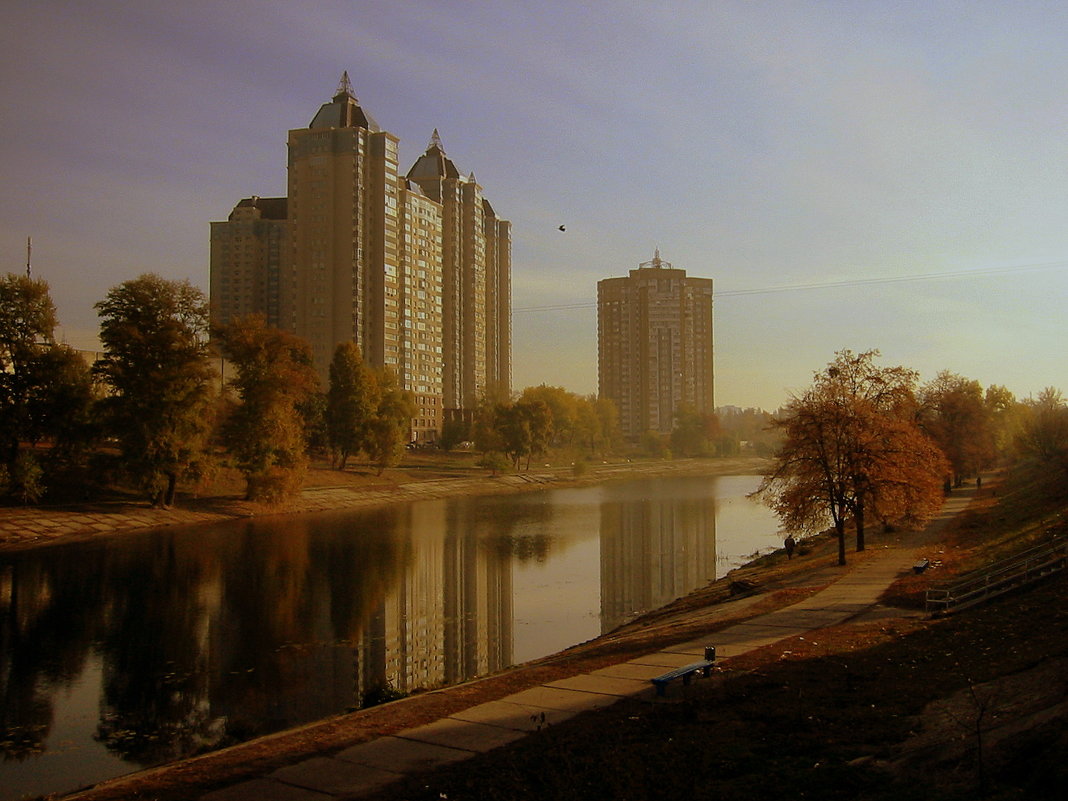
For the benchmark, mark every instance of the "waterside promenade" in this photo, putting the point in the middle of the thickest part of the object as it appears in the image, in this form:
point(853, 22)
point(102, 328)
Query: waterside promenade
point(365, 768)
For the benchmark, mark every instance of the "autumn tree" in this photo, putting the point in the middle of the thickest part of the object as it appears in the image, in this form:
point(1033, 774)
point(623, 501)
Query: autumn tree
point(154, 334)
point(850, 450)
point(954, 414)
point(351, 403)
point(1044, 433)
point(266, 431)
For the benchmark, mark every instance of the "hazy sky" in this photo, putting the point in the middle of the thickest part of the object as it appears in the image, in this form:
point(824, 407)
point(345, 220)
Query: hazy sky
point(904, 162)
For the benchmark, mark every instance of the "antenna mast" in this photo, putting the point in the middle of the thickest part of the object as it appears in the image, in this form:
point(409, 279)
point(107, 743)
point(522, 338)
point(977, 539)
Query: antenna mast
point(29, 250)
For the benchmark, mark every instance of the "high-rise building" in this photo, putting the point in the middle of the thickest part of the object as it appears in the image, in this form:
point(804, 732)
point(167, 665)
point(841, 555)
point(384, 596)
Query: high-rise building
point(477, 255)
point(247, 255)
point(654, 334)
point(414, 269)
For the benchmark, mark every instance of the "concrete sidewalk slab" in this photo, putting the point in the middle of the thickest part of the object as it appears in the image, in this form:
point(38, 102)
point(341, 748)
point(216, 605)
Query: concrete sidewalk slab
point(397, 755)
point(334, 776)
point(604, 685)
point(265, 790)
point(665, 660)
point(806, 618)
point(452, 733)
point(511, 716)
point(628, 670)
point(573, 701)
point(760, 631)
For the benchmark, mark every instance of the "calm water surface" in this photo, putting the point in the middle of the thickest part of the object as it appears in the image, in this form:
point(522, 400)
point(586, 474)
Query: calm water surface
point(141, 649)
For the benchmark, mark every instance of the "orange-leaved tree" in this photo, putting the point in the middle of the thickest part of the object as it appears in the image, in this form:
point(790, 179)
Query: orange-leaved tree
point(851, 450)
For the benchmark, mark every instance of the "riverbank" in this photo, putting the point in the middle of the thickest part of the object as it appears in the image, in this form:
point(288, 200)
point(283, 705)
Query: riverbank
point(329, 490)
point(842, 715)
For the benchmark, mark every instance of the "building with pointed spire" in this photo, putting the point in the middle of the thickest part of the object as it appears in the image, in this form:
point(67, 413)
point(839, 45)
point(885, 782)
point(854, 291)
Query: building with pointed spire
point(476, 255)
point(415, 269)
point(654, 336)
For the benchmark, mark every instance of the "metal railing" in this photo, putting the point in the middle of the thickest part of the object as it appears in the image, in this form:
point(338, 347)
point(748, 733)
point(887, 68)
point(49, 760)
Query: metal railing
point(1001, 577)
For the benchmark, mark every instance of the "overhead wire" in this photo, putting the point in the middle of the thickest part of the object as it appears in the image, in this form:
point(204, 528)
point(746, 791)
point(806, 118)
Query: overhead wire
point(816, 285)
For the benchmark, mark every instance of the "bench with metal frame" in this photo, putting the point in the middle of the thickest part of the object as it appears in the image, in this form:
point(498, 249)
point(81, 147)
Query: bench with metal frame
point(686, 672)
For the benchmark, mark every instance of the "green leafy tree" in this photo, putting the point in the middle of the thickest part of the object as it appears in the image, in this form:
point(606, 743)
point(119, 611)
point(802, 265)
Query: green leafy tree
point(524, 429)
point(607, 415)
point(46, 390)
point(266, 430)
point(695, 433)
point(563, 411)
point(156, 364)
point(391, 425)
point(351, 403)
point(485, 431)
point(850, 449)
point(454, 430)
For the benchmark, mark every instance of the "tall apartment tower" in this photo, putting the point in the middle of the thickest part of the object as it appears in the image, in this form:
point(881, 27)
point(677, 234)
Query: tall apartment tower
point(414, 269)
point(343, 281)
point(476, 256)
point(248, 252)
point(654, 334)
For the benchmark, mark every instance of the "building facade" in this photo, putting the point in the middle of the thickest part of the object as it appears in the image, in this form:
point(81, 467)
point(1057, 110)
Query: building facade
point(415, 269)
point(476, 288)
point(654, 333)
point(248, 252)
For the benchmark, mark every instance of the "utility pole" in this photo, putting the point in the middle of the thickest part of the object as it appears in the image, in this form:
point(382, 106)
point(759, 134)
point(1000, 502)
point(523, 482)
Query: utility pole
point(29, 250)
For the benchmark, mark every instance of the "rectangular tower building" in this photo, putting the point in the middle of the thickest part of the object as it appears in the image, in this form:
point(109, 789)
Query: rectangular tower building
point(414, 269)
point(248, 256)
point(477, 262)
point(654, 333)
point(343, 209)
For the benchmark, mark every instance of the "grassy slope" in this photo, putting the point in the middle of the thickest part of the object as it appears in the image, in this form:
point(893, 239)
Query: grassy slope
point(884, 710)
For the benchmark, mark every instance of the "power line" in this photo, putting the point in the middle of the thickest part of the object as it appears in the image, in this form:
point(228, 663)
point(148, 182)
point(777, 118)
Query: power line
point(816, 285)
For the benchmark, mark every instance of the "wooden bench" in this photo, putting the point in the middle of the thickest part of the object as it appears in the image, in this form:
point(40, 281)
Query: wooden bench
point(686, 672)
point(921, 565)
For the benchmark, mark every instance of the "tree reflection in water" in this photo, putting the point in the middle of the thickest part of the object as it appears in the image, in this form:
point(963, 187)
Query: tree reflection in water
point(146, 648)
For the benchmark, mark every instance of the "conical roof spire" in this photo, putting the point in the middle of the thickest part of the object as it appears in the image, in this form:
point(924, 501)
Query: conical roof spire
point(344, 87)
point(435, 141)
point(343, 110)
point(656, 262)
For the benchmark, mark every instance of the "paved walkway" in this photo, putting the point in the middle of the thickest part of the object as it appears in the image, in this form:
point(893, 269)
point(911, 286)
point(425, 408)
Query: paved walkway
point(368, 767)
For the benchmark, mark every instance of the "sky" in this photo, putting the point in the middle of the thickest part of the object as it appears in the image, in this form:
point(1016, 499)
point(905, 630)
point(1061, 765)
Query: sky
point(852, 175)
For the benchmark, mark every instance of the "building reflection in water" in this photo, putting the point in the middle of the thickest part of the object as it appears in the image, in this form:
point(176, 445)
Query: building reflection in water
point(152, 647)
point(653, 550)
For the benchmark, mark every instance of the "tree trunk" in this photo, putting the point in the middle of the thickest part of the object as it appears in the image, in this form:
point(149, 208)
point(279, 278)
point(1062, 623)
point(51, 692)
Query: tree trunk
point(172, 485)
point(839, 527)
point(860, 525)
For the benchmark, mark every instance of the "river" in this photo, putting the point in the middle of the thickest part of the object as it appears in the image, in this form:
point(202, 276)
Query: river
point(133, 651)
